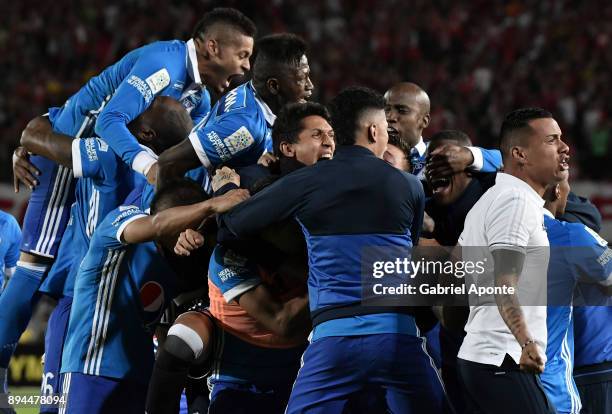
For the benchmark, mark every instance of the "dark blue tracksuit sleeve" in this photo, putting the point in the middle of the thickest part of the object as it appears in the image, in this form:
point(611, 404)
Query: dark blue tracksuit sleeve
point(417, 199)
point(275, 203)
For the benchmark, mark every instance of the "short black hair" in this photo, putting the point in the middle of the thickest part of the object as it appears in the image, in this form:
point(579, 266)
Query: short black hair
point(456, 136)
point(178, 192)
point(348, 107)
point(274, 51)
point(288, 124)
point(514, 122)
point(226, 16)
point(402, 144)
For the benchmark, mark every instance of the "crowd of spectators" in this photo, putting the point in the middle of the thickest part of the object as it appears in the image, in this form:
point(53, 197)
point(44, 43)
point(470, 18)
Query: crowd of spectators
point(477, 59)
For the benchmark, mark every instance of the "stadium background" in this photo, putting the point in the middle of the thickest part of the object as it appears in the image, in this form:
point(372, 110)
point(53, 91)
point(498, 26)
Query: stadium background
point(476, 60)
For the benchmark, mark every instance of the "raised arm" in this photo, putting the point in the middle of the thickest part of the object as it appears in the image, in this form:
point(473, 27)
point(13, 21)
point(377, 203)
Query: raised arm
point(149, 77)
point(176, 219)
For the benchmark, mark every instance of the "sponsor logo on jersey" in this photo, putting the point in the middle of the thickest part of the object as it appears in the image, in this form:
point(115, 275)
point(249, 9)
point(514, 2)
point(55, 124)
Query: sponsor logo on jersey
point(605, 257)
point(239, 140)
point(152, 299)
point(216, 142)
point(142, 87)
point(90, 149)
point(127, 211)
point(158, 81)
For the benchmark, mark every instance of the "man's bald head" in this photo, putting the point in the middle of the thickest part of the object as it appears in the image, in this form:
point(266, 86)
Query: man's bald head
point(407, 108)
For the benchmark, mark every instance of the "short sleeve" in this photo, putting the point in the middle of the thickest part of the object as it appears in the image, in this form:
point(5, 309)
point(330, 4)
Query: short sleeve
point(226, 138)
point(108, 233)
point(91, 157)
point(232, 273)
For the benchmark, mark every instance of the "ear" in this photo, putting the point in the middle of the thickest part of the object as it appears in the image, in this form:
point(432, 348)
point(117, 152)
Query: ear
point(273, 86)
point(519, 154)
point(212, 47)
point(557, 192)
point(146, 134)
point(425, 120)
point(372, 134)
point(287, 149)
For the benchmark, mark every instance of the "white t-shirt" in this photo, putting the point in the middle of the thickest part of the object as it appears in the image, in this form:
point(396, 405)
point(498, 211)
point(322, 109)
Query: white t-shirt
point(509, 216)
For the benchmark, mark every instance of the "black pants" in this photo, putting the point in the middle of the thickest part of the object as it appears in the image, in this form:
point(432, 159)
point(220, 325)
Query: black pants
point(595, 386)
point(502, 390)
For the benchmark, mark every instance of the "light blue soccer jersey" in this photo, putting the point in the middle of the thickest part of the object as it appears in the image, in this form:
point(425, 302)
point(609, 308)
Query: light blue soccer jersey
point(10, 239)
point(104, 182)
point(124, 90)
point(120, 293)
point(593, 322)
point(575, 253)
point(237, 131)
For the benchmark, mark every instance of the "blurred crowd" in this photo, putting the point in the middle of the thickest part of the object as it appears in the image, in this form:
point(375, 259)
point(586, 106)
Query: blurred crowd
point(476, 60)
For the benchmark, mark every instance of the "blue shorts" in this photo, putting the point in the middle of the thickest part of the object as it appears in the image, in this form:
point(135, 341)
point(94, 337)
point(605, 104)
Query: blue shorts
point(245, 376)
point(54, 344)
point(383, 372)
point(49, 208)
point(53, 284)
point(93, 394)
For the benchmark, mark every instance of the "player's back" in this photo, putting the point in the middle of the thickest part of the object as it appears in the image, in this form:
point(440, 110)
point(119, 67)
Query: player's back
point(100, 88)
point(120, 292)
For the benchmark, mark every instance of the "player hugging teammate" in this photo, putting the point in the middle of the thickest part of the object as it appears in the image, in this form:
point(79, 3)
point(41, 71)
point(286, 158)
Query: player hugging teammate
point(232, 234)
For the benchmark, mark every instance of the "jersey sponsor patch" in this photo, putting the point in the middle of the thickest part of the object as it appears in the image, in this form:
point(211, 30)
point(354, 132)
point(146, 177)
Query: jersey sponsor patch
point(90, 149)
point(158, 81)
point(605, 257)
point(239, 140)
point(216, 142)
point(142, 87)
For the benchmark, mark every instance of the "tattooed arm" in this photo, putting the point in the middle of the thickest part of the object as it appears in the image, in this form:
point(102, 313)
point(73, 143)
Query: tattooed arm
point(508, 267)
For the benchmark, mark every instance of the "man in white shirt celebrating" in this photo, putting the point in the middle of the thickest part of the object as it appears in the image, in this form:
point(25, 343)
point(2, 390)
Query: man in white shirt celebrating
point(504, 350)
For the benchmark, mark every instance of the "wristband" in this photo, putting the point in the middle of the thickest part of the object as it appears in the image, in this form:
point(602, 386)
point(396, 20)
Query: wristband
point(531, 341)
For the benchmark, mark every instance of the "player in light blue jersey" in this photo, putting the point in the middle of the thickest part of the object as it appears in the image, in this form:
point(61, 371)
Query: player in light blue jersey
point(593, 335)
point(10, 238)
point(574, 256)
point(407, 109)
point(104, 181)
point(121, 290)
point(237, 131)
point(220, 49)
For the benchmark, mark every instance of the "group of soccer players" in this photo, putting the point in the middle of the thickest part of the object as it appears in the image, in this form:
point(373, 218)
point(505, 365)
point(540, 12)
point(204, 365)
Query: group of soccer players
point(211, 254)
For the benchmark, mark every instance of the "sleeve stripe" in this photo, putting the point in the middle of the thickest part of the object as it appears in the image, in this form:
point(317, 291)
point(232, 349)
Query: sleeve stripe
point(243, 287)
point(478, 158)
point(77, 165)
point(197, 146)
point(124, 225)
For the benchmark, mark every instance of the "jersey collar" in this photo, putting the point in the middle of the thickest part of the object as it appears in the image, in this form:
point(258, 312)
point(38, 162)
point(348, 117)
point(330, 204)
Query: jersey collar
point(192, 62)
point(421, 147)
point(268, 114)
